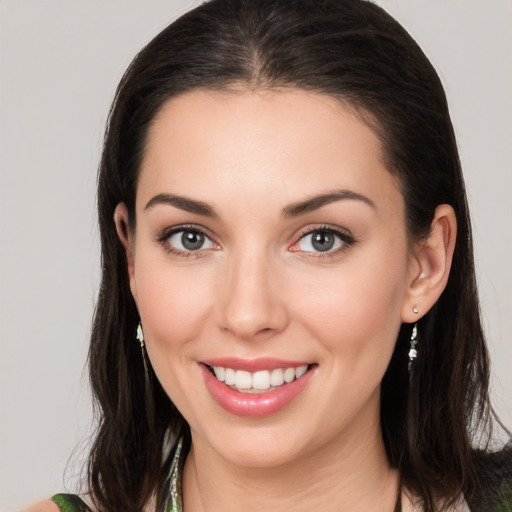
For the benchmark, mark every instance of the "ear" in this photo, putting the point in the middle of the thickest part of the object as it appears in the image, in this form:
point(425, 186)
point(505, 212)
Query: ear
point(430, 265)
point(125, 234)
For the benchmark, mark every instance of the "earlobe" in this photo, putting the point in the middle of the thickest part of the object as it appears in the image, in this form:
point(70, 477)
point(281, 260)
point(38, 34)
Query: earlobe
point(125, 235)
point(430, 265)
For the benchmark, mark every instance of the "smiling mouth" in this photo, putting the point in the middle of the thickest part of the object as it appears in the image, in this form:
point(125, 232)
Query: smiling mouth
point(260, 381)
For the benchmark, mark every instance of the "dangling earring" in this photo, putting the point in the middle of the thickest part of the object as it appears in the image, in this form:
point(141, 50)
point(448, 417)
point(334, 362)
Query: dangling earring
point(140, 338)
point(412, 346)
point(140, 335)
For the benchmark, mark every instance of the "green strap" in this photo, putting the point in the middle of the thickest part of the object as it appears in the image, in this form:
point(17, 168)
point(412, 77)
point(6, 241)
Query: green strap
point(174, 503)
point(70, 503)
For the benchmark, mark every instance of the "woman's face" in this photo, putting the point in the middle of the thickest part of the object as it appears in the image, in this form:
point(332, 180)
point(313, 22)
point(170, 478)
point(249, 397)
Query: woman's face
point(270, 240)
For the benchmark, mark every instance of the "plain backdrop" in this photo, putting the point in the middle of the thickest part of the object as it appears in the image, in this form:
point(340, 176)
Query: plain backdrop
point(60, 61)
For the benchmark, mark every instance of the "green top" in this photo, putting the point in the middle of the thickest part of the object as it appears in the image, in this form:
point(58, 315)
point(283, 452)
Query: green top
point(70, 503)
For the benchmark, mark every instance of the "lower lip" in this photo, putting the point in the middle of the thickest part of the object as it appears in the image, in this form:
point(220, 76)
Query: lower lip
point(254, 405)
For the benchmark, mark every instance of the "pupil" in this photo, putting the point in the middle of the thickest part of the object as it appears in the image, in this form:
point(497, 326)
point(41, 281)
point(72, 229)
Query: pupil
point(323, 241)
point(192, 240)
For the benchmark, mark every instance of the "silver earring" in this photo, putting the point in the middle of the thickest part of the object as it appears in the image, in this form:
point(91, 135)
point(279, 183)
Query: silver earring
point(140, 335)
point(412, 346)
point(140, 339)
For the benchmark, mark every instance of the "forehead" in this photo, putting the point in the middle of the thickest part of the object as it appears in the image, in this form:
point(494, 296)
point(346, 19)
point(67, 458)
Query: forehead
point(277, 144)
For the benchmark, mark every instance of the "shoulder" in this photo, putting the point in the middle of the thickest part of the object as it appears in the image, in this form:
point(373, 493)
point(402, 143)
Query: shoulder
point(60, 503)
point(43, 506)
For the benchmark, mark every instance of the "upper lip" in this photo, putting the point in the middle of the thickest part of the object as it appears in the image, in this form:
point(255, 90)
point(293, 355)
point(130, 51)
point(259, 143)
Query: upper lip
point(253, 365)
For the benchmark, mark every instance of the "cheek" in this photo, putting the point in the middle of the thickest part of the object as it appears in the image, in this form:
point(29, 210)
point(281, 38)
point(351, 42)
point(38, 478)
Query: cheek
point(173, 304)
point(174, 307)
point(355, 310)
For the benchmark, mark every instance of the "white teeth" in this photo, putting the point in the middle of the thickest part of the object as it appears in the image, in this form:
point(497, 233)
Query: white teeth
point(243, 380)
point(277, 377)
point(220, 373)
point(300, 371)
point(289, 374)
point(261, 380)
point(229, 377)
point(258, 381)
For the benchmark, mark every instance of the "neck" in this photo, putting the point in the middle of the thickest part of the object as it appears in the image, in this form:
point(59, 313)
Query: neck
point(350, 473)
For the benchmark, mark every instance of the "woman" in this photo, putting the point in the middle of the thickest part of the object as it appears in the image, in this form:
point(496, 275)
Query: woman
point(285, 232)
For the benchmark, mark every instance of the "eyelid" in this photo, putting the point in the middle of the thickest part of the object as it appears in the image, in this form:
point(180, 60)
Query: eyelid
point(347, 239)
point(165, 234)
point(171, 230)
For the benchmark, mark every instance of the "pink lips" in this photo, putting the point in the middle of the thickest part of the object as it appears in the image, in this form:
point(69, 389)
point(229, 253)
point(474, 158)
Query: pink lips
point(254, 405)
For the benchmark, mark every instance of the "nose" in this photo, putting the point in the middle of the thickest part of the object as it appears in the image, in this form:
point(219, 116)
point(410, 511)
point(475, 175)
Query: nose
point(252, 304)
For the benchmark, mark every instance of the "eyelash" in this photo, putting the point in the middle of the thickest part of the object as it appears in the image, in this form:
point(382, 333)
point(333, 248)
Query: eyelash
point(163, 239)
point(346, 239)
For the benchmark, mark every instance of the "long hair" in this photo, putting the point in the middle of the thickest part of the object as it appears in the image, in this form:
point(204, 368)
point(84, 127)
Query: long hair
point(355, 52)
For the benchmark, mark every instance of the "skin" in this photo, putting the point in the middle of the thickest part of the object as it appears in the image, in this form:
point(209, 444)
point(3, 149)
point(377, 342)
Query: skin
point(257, 288)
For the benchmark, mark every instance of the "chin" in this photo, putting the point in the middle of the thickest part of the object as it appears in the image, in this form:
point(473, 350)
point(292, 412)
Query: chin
point(258, 446)
point(261, 454)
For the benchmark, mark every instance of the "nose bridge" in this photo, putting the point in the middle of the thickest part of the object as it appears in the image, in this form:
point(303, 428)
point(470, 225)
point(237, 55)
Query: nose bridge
point(251, 303)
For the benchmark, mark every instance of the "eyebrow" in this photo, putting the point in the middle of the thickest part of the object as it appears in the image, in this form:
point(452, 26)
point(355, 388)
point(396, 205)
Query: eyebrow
point(183, 203)
point(293, 210)
point(316, 202)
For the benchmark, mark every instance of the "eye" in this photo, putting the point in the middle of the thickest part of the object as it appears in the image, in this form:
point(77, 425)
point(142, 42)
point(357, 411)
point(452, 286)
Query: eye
point(323, 240)
point(184, 241)
point(188, 240)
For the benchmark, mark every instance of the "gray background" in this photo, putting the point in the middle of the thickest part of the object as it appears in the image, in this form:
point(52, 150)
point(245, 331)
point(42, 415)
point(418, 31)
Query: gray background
point(60, 61)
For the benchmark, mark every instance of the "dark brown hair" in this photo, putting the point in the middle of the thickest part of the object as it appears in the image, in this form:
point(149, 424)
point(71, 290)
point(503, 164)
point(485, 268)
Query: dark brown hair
point(354, 51)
